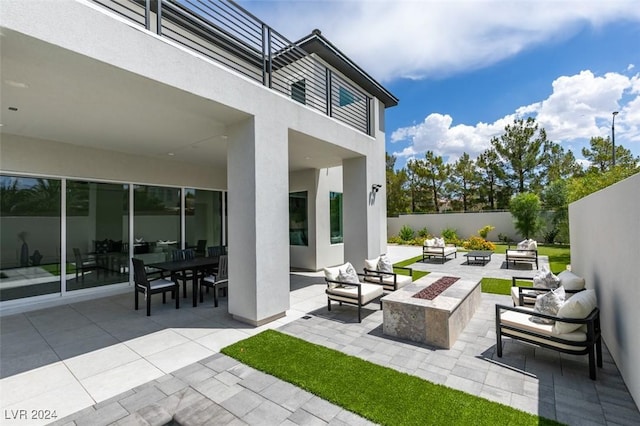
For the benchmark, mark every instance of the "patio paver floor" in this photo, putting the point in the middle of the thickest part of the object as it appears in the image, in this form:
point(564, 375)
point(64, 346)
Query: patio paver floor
point(101, 362)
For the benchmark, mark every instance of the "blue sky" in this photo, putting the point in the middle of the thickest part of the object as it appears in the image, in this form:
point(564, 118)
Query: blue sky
point(464, 69)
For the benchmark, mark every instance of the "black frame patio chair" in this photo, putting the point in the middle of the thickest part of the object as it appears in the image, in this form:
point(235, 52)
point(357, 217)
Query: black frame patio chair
point(216, 281)
point(144, 285)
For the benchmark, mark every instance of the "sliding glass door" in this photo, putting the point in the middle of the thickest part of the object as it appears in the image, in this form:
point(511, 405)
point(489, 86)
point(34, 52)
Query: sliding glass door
point(97, 234)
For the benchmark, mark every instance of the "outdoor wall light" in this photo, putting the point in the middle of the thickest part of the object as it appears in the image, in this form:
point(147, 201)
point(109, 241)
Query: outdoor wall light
point(376, 187)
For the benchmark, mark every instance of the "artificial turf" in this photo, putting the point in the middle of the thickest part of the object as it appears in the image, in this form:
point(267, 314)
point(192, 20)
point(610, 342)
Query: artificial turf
point(380, 394)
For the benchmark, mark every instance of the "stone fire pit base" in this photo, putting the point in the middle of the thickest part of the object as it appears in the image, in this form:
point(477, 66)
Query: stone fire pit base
point(436, 322)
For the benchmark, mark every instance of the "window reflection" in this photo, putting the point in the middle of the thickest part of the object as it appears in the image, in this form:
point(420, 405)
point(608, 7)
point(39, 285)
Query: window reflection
point(298, 225)
point(30, 237)
point(156, 222)
point(97, 234)
point(335, 217)
point(203, 219)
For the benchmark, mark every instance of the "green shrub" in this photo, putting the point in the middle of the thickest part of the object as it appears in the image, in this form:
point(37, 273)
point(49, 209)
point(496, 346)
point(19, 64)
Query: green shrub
point(484, 231)
point(503, 238)
point(406, 233)
point(423, 232)
point(478, 243)
point(395, 240)
point(450, 236)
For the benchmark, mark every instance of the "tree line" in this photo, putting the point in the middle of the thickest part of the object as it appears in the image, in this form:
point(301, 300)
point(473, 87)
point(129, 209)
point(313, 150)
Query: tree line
point(520, 160)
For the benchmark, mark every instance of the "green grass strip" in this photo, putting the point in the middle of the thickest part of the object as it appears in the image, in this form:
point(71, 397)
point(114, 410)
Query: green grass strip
point(416, 274)
point(500, 285)
point(378, 393)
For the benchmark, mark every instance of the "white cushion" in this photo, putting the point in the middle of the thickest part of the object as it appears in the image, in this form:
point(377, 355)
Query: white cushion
point(160, 283)
point(533, 245)
point(371, 264)
point(523, 245)
point(439, 242)
point(548, 303)
point(401, 280)
point(520, 254)
point(529, 297)
point(368, 292)
point(332, 273)
point(384, 264)
point(577, 306)
point(570, 281)
point(430, 242)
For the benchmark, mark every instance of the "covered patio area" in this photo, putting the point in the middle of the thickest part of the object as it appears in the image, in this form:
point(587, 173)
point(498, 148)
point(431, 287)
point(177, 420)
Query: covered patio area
point(101, 362)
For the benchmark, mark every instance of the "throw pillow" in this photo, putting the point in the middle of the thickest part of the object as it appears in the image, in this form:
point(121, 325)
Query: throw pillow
point(384, 264)
point(348, 274)
point(577, 306)
point(548, 303)
point(371, 264)
point(430, 242)
point(570, 281)
point(440, 242)
point(523, 245)
point(546, 279)
point(533, 245)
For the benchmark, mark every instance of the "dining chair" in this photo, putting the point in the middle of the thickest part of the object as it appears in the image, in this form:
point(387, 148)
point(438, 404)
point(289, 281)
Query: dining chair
point(84, 265)
point(184, 276)
point(152, 286)
point(217, 281)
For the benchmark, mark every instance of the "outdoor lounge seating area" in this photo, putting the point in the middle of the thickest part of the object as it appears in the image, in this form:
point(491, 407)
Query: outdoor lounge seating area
point(177, 346)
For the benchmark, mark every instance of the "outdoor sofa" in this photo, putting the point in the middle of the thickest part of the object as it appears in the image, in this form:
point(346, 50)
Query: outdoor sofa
point(525, 251)
point(345, 285)
point(436, 247)
point(575, 329)
point(379, 271)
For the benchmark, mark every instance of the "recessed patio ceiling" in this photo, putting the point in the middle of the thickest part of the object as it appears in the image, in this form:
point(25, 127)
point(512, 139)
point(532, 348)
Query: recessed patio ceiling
point(54, 94)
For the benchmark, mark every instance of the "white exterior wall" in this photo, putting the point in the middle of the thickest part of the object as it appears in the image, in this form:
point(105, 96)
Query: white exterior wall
point(605, 230)
point(257, 172)
point(320, 252)
point(50, 158)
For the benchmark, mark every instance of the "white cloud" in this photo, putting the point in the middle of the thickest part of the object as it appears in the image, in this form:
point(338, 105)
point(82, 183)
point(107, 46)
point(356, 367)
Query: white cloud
point(428, 38)
point(579, 108)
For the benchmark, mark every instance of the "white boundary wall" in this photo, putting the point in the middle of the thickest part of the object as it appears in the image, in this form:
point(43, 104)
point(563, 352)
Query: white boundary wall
point(605, 231)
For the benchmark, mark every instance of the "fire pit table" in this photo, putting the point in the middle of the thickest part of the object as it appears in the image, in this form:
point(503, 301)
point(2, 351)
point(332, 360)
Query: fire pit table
point(439, 317)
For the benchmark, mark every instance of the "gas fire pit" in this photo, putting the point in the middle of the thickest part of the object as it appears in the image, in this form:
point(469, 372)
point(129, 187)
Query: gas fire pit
point(408, 313)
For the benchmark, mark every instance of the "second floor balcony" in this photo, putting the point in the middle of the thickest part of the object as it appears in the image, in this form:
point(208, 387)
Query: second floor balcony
point(305, 71)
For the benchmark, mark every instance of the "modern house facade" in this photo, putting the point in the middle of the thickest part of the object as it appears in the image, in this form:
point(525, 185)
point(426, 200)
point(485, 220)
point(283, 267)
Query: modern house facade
point(135, 127)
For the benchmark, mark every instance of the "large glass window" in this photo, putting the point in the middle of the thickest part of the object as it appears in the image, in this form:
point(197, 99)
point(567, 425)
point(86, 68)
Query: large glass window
point(30, 237)
point(335, 217)
point(298, 224)
point(97, 234)
point(203, 219)
point(156, 222)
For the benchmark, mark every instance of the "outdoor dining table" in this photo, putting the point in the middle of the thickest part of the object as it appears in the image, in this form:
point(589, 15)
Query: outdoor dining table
point(195, 265)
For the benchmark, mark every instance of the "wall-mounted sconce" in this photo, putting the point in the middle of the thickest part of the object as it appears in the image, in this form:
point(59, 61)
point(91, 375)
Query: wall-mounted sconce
point(376, 187)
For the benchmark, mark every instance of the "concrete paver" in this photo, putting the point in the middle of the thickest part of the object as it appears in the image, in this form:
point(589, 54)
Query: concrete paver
point(119, 370)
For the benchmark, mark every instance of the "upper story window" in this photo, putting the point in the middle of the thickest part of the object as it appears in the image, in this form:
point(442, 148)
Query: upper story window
point(299, 91)
point(345, 97)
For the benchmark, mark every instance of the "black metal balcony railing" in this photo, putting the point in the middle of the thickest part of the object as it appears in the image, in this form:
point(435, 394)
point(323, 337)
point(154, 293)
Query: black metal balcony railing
point(230, 35)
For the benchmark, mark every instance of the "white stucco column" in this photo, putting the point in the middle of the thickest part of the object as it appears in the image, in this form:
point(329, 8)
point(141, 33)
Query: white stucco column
point(258, 210)
point(364, 211)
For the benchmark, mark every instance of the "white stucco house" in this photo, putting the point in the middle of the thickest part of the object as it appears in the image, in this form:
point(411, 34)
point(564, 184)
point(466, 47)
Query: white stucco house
point(131, 127)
